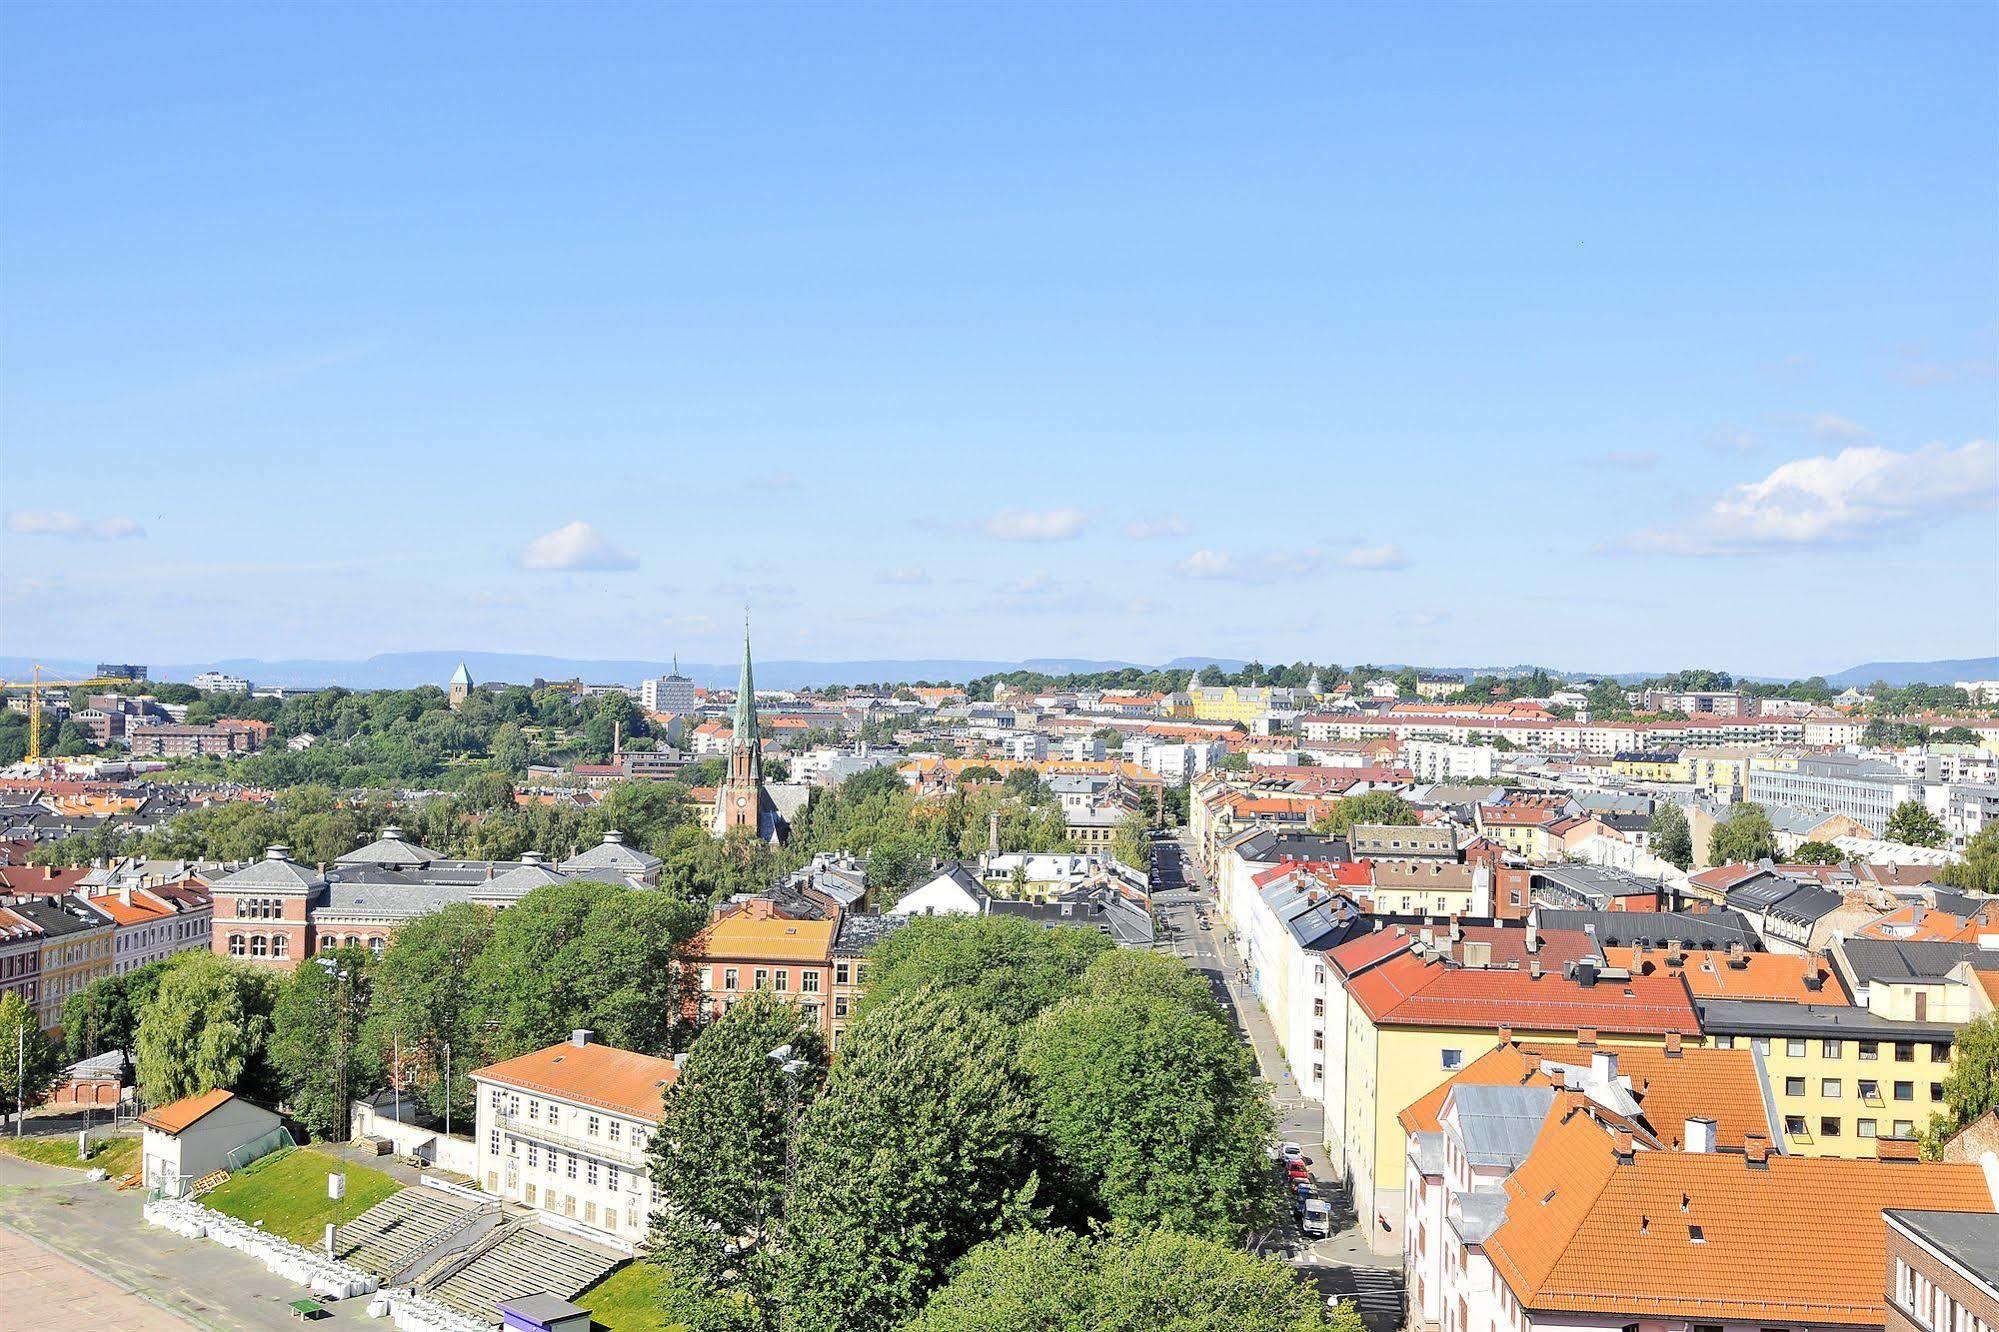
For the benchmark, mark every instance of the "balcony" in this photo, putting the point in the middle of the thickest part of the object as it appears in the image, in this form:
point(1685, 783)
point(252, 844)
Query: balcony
point(623, 1153)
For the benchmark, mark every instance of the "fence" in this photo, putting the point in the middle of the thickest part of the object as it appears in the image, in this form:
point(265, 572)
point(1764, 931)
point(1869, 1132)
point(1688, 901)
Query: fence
point(276, 1140)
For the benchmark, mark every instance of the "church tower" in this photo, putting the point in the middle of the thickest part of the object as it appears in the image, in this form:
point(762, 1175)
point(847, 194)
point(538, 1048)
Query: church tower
point(460, 688)
point(741, 801)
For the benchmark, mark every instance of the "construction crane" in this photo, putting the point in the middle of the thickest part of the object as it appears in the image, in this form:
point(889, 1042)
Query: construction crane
point(34, 685)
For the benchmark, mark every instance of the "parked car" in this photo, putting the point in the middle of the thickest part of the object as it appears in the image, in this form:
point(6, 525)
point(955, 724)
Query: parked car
point(1292, 1151)
point(1296, 1170)
point(1316, 1218)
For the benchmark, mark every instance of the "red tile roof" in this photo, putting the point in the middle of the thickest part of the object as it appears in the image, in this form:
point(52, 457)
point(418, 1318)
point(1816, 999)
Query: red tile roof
point(1415, 992)
point(600, 1075)
point(182, 1114)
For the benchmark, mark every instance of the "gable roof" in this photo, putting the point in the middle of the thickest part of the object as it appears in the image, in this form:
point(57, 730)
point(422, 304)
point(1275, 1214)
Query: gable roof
point(601, 1075)
point(1413, 991)
point(1586, 1234)
point(181, 1115)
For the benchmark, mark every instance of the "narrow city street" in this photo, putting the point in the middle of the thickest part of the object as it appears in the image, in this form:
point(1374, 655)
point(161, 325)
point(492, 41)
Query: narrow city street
point(1340, 1264)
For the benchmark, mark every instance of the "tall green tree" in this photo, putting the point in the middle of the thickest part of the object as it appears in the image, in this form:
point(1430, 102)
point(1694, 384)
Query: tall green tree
point(1132, 843)
point(1971, 1088)
point(31, 1063)
point(918, 1149)
point(1672, 839)
point(208, 1026)
point(1912, 824)
point(317, 1053)
point(1370, 807)
point(426, 994)
point(999, 965)
point(1743, 836)
point(1979, 870)
point(720, 1162)
point(1054, 1281)
point(1154, 1112)
point(1817, 853)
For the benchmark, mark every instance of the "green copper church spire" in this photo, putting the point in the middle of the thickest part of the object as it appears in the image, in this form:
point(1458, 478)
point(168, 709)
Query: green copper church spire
point(746, 695)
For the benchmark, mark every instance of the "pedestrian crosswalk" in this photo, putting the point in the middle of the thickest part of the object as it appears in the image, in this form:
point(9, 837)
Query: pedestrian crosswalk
point(1377, 1292)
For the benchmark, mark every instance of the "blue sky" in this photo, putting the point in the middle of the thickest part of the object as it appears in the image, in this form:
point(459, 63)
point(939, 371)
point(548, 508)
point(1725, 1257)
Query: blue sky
point(1610, 337)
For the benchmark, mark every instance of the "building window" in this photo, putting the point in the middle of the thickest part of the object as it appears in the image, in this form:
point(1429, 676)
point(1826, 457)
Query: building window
point(1724, 1042)
point(1452, 1058)
point(534, 1109)
point(839, 1005)
point(1829, 1088)
point(590, 1173)
point(592, 1126)
point(1870, 1049)
point(840, 973)
point(570, 1165)
point(259, 946)
point(783, 980)
point(1936, 1091)
point(762, 978)
point(1831, 1049)
point(235, 945)
point(1794, 1125)
point(611, 1178)
point(1828, 1126)
point(281, 945)
point(493, 1142)
point(728, 978)
point(1795, 1047)
point(1863, 1128)
point(534, 1157)
point(1905, 1091)
point(808, 982)
point(1905, 1128)
point(1905, 1052)
point(1870, 1090)
point(1939, 1052)
point(616, 1131)
point(1794, 1086)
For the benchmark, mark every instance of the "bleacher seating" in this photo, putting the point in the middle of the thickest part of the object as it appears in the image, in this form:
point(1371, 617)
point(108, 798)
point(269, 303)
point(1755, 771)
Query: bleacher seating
point(392, 1234)
point(528, 1260)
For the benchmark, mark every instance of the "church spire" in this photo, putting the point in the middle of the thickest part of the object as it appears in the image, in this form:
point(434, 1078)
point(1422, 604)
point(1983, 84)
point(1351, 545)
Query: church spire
point(746, 695)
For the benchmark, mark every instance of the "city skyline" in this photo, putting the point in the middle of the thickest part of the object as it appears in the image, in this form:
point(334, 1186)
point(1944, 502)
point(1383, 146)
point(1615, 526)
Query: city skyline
point(573, 340)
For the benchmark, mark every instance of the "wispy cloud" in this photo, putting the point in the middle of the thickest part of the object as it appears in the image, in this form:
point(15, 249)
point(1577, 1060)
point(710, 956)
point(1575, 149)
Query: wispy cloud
point(1834, 428)
point(1036, 525)
point(773, 481)
point(1729, 441)
point(71, 526)
point(1153, 529)
point(1385, 556)
point(1631, 460)
point(1859, 494)
point(575, 548)
point(1263, 567)
point(904, 577)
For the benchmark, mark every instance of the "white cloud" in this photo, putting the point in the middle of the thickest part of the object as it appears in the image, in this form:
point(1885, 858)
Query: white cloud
point(1266, 567)
point(1729, 441)
point(1858, 494)
point(63, 523)
point(1387, 555)
point(774, 481)
point(1834, 428)
point(1029, 525)
point(574, 548)
point(1172, 525)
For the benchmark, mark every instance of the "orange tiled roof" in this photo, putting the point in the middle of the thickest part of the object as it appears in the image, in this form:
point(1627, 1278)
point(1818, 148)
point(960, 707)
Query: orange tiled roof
point(135, 912)
point(779, 940)
point(601, 1075)
point(1799, 1241)
point(1412, 992)
point(1710, 975)
point(181, 1114)
point(1989, 982)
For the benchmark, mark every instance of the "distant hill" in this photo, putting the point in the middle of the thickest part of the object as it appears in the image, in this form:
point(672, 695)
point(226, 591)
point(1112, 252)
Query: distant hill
point(1918, 672)
point(404, 670)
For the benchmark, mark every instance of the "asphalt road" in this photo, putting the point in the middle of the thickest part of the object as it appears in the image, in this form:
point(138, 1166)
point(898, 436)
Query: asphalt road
point(1340, 1264)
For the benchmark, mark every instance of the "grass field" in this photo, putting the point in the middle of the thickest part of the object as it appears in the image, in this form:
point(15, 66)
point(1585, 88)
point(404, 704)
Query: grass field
point(118, 1156)
point(627, 1301)
point(289, 1195)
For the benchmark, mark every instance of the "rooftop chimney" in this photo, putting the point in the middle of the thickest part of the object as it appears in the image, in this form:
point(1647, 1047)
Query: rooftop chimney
point(1534, 969)
point(580, 1036)
point(1756, 1150)
point(1700, 1134)
point(1603, 1065)
point(530, 857)
point(612, 837)
point(1673, 1045)
point(391, 833)
point(1586, 1037)
point(1505, 1034)
point(1623, 1146)
point(277, 851)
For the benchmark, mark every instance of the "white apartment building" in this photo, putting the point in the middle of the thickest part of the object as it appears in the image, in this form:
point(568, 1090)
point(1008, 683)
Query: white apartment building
point(1864, 790)
point(217, 682)
point(1177, 763)
point(1441, 761)
point(1024, 747)
point(1969, 810)
point(1984, 693)
point(564, 1130)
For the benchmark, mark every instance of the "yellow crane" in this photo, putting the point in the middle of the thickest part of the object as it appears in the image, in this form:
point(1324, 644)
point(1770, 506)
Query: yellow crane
point(34, 685)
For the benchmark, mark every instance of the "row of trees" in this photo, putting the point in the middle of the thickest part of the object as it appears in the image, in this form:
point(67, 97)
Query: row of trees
point(1012, 1107)
point(483, 985)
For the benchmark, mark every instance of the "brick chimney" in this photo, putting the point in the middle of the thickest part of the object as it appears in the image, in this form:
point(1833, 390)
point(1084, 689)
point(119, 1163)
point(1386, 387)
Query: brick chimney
point(1756, 1150)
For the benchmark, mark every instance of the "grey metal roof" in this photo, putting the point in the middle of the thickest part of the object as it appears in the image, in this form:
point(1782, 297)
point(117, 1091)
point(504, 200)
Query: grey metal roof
point(1969, 1239)
point(1774, 1017)
point(389, 851)
point(1910, 959)
point(386, 901)
point(518, 882)
point(859, 933)
point(1476, 1215)
point(1427, 1149)
point(269, 873)
point(610, 855)
point(1498, 1124)
point(1612, 929)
